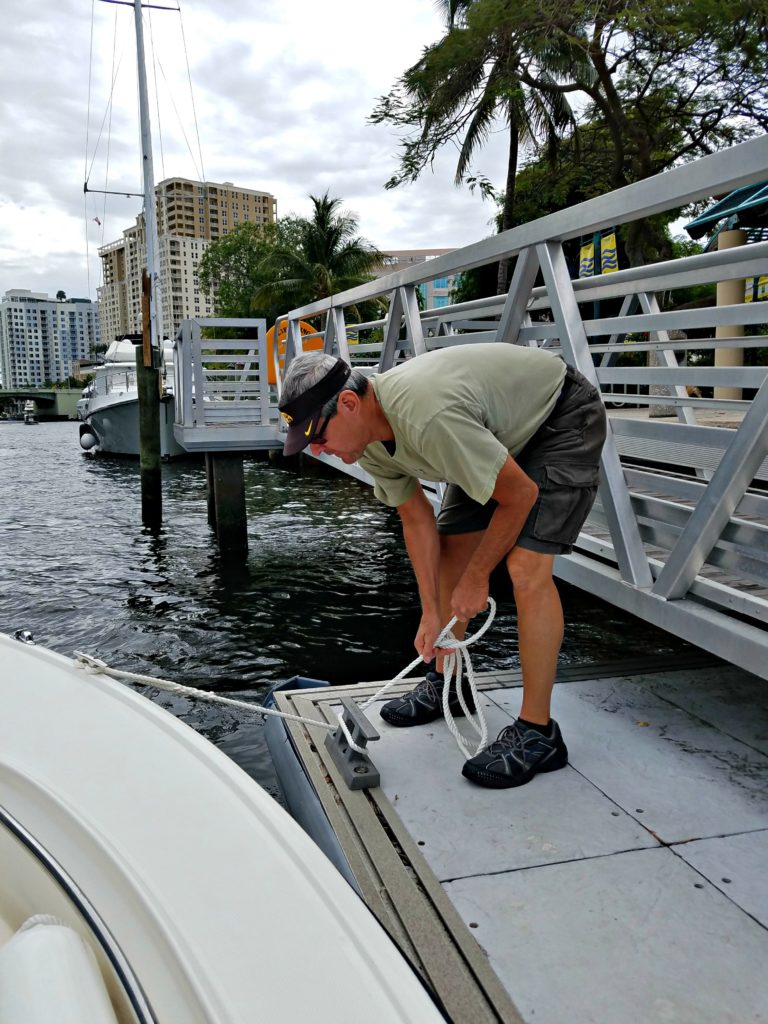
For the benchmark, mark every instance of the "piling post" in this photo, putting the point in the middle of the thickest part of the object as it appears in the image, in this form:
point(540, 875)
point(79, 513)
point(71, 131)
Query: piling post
point(148, 386)
point(231, 523)
point(210, 493)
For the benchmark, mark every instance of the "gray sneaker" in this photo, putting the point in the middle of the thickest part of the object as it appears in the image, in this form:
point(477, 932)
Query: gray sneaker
point(424, 703)
point(517, 754)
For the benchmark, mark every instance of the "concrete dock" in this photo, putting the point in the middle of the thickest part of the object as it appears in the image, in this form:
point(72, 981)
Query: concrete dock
point(630, 887)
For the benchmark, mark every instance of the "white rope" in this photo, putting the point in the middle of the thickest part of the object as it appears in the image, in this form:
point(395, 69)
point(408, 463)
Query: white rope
point(91, 664)
point(445, 639)
point(453, 665)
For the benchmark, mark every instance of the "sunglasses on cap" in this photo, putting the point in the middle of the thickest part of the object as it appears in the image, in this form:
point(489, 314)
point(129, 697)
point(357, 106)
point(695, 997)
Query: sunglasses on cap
point(303, 411)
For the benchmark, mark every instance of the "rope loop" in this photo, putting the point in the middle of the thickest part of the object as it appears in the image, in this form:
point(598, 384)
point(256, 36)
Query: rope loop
point(456, 663)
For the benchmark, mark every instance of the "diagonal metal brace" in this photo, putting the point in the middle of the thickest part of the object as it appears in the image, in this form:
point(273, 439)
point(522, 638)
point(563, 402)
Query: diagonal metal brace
point(357, 770)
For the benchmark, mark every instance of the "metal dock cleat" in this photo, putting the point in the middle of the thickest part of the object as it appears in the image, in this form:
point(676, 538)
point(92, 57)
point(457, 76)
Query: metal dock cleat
point(357, 769)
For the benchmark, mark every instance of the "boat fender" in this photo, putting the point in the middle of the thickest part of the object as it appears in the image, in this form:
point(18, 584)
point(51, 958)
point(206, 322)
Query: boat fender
point(88, 438)
point(48, 973)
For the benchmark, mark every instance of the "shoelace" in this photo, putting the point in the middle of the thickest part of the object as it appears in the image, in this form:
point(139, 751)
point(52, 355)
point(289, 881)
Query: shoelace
point(511, 738)
point(515, 740)
point(426, 688)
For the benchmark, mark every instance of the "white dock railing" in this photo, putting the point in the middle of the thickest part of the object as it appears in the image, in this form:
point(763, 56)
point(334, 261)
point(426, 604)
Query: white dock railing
point(679, 535)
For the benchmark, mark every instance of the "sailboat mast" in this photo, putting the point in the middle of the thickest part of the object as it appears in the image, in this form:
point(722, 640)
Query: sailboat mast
point(150, 216)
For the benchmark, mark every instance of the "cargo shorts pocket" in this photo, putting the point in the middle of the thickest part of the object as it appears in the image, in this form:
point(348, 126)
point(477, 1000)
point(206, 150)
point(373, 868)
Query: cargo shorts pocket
point(566, 494)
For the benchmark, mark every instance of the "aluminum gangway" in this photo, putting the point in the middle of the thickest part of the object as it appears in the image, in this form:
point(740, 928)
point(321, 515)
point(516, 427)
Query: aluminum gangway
point(679, 533)
point(224, 401)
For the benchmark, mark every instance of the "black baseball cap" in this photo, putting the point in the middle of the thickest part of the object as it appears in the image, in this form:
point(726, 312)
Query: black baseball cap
point(303, 411)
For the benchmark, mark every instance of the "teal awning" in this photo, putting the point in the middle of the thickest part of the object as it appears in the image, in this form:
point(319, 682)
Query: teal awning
point(745, 208)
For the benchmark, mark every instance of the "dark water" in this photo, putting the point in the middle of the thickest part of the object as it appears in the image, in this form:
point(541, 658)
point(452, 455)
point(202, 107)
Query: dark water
point(326, 592)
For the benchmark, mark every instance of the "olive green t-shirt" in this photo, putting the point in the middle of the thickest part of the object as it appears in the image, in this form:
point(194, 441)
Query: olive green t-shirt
point(457, 413)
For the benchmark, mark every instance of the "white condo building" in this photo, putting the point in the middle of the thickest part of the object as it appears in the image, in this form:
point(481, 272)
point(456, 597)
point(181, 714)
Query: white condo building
point(41, 337)
point(435, 293)
point(190, 215)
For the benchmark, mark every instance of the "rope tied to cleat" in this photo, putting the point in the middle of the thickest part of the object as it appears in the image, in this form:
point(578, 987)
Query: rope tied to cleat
point(455, 664)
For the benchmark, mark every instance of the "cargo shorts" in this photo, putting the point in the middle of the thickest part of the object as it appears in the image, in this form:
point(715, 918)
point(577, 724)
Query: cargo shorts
point(563, 459)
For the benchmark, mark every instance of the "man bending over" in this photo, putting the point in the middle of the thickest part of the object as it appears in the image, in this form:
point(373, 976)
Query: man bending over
point(516, 435)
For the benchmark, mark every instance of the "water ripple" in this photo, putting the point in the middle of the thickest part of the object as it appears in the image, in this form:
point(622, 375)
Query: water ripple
point(327, 591)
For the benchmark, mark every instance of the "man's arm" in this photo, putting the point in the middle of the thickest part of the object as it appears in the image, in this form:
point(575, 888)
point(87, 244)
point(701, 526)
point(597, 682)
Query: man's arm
point(516, 495)
point(423, 546)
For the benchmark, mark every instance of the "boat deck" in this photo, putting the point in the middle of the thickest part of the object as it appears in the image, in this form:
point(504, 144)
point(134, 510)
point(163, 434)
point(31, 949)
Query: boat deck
point(629, 887)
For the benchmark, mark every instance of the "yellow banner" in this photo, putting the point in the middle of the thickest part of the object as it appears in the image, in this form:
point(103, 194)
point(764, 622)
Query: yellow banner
point(609, 260)
point(762, 288)
point(587, 260)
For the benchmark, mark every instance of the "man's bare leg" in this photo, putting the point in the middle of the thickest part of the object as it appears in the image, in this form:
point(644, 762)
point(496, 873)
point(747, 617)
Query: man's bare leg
point(540, 629)
point(456, 552)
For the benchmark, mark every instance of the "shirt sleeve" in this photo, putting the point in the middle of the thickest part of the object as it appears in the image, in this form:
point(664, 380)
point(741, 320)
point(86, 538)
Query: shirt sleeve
point(465, 451)
point(390, 485)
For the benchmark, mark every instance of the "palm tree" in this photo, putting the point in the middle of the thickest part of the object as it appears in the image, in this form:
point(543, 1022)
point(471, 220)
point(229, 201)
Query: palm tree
point(330, 257)
point(463, 85)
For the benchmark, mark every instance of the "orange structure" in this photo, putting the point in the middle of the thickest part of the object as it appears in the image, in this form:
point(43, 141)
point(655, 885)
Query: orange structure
point(312, 345)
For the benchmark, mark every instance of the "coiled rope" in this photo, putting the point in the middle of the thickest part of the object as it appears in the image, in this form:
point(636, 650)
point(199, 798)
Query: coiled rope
point(453, 666)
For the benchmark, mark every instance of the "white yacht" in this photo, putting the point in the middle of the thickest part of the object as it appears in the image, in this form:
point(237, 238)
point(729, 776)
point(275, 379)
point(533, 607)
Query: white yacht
point(109, 406)
point(148, 880)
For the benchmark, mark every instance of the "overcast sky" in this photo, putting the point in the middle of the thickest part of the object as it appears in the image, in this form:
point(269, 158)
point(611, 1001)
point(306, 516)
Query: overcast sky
point(282, 90)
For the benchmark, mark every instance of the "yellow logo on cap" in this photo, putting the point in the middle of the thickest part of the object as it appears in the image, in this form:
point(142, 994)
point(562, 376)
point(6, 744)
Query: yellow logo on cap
point(286, 417)
point(308, 431)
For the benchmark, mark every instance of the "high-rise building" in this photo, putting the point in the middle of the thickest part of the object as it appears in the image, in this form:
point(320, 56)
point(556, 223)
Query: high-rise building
point(190, 215)
point(41, 337)
point(435, 293)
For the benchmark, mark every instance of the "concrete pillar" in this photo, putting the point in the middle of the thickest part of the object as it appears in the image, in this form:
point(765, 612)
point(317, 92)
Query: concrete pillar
point(728, 294)
point(229, 502)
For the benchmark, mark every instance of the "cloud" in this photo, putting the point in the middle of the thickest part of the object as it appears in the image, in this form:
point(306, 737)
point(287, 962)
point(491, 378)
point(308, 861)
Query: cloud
point(281, 93)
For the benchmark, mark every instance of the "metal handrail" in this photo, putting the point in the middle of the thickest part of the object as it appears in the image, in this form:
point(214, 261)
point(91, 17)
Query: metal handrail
point(670, 570)
point(701, 179)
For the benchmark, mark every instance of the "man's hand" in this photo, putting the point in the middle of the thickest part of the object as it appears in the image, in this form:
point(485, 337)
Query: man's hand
point(470, 597)
point(429, 630)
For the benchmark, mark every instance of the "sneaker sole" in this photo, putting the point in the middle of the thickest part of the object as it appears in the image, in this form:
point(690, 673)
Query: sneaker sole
point(490, 780)
point(402, 722)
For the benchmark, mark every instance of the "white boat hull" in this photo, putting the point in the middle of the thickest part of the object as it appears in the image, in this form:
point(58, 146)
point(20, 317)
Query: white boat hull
point(221, 906)
point(109, 406)
point(114, 422)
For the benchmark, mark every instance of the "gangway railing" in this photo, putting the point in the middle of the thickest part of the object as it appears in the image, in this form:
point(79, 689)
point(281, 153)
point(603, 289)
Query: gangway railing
point(224, 401)
point(679, 534)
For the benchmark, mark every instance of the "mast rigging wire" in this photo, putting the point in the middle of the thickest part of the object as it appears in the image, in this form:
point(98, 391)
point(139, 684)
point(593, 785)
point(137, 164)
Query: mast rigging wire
point(191, 94)
point(157, 95)
point(107, 118)
point(178, 116)
point(85, 168)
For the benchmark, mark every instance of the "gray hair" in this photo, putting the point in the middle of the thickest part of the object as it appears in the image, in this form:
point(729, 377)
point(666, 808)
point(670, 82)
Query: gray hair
point(307, 369)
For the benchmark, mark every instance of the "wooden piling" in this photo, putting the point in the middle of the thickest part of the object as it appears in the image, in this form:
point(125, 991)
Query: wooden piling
point(210, 491)
point(231, 524)
point(148, 386)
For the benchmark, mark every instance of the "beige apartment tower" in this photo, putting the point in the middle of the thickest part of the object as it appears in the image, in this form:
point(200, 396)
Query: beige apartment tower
point(190, 215)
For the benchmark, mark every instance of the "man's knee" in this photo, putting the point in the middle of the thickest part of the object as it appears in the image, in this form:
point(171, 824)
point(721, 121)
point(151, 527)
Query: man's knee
point(529, 570)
